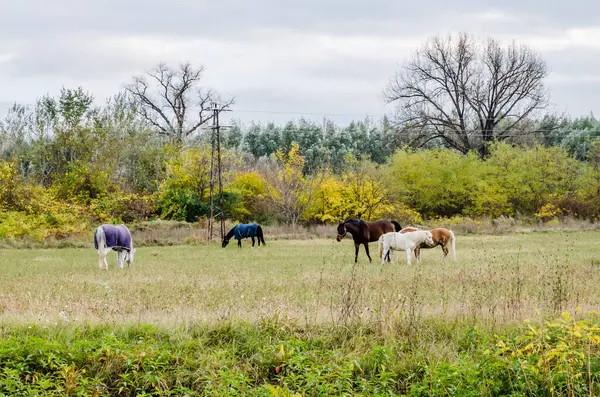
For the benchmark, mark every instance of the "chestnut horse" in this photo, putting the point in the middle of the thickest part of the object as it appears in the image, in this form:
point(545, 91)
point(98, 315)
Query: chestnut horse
point(441, 236)
point(365, 232)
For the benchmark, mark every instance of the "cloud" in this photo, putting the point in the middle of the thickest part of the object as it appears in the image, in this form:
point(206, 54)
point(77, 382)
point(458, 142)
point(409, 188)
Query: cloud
point(328, 56)
point(5, 58)
point(573, 39)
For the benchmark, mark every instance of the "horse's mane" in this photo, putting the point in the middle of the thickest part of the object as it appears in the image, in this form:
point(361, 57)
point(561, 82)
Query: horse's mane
point(354, 221)
point(230, 233)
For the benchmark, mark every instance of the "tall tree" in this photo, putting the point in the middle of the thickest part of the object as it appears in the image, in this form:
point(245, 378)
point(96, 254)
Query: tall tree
point(289, 190)
point(128, 148)
point(460, 90)
point(66, 130)
point(15, 135)
point(172, 101)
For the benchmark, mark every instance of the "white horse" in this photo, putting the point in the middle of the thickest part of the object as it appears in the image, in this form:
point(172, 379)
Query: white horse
point(403, 242)
point(115, 238)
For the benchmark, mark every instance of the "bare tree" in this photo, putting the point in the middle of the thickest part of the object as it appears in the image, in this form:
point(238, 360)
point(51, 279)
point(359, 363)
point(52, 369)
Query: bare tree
point(467, 93)
point(170, 99)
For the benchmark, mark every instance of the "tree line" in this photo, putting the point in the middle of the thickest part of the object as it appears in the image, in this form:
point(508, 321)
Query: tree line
point(468, 138)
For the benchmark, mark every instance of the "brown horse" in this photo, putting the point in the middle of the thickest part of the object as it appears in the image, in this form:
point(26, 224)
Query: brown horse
point(441, 236)
point(365, 232)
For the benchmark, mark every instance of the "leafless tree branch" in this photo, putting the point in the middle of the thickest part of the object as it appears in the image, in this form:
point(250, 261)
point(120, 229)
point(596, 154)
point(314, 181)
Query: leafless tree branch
point(170, 103)
point(461, 90)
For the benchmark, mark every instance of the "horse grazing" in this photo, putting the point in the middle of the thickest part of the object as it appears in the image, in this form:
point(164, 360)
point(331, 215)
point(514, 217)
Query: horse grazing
point(365, 232)
point(116, 238)
point(242, 230)
point(442, 237)
point(399, 241)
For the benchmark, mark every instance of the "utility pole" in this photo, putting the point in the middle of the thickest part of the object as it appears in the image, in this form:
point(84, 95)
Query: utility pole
point(221, 202)
point(215, 143)
point(212, 174)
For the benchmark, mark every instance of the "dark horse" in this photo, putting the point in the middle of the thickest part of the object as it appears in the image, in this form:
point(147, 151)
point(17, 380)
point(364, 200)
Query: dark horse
point(365, 232)
point(241, 231)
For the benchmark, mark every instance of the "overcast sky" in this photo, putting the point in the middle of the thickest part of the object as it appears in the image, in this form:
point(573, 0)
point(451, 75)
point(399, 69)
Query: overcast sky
point(281, 58)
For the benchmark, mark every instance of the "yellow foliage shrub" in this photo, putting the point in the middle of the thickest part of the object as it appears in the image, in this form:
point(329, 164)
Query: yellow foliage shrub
point(547, 212)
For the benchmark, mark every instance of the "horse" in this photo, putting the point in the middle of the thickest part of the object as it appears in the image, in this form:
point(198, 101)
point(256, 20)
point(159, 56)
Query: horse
point(442, 237)
point(242, 230)
point(399, 241)
point(116, 238)
point(365, 232)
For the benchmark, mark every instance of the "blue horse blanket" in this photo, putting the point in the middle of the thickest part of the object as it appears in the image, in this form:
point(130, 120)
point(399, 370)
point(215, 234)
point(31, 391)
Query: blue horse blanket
point(117, 237)
point(245, 230)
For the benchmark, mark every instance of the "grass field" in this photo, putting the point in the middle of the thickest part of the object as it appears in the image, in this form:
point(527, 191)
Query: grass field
point(307, 296)
point(496, 279)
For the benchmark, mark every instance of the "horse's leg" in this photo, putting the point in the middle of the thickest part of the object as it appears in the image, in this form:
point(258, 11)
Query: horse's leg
point(252, 241)
point(445, 249)
point(367, 249)
point(101, 258)
point(389, 254)
point(385, 255)
point(356, 247)
point(105, 252)
point(387, 248)
point(120, 257)
point(409, 255)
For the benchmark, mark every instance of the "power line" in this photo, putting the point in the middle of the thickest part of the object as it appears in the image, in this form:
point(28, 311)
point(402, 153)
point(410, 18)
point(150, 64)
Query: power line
point(283, 112)
point(7, 104)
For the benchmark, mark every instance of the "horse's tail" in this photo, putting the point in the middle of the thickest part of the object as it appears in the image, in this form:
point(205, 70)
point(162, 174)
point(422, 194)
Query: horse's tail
point(397, 226)
point(380, 245)
point(259, 234)
point(99, 237)
point(453, 244)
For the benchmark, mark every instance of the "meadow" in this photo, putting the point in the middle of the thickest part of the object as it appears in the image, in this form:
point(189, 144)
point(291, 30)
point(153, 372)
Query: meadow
point(298, 316)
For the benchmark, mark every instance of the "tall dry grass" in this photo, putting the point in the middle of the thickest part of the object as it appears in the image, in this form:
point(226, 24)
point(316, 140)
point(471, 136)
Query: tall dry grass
point(497, 280)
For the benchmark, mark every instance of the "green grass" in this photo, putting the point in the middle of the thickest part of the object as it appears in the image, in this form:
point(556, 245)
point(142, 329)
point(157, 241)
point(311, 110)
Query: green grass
point(301, 317)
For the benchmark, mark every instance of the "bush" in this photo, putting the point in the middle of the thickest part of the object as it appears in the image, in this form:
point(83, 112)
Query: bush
point(181, 205)
point(526, 181)
point(251, 188)
point(120, 207)
point(437, 182)
point(82, 184)
point(15, 194)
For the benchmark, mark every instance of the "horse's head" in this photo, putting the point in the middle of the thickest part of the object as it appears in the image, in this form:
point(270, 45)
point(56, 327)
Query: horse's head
point(225, 242)
point(129, 257)
point(341, 231)
point(428, 238)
